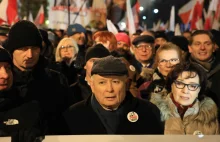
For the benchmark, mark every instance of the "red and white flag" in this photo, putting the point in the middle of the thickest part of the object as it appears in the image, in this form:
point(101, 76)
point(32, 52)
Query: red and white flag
point(186, 11)
point(197, 15)
point(8, 12)
point(39, 20)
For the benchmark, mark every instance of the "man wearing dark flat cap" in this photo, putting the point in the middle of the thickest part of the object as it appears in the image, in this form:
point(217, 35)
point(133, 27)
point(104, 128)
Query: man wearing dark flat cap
point(111, 109)
point(144, 52)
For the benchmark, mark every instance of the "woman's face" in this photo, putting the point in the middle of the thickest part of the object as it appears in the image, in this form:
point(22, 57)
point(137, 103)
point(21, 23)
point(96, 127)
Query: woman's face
point(67, 50)
point(167, 60)
point(190, 88)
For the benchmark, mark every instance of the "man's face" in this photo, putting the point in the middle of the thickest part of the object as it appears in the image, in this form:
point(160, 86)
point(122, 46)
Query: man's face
point(88, 68)
point(6, 77)
point(202, 47)
point(109, 91)
point(160, 41)
point(2, 38)
point(26, 57)
point(143, 52)
point(80, 38)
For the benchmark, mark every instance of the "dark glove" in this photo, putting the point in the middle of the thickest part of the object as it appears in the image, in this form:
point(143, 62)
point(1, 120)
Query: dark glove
point(27, 135)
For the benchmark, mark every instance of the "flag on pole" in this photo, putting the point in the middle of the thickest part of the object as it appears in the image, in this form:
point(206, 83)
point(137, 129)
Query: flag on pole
point(172, 19)
point(197, 15)
point(8, 11)
point(39, 20)
point(131, 24)
point(186, 11)
point(111, 27)
point(177, 30)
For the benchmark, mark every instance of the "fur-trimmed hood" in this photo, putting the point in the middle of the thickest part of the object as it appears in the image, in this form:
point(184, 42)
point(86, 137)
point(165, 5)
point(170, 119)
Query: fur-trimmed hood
point(204, 111)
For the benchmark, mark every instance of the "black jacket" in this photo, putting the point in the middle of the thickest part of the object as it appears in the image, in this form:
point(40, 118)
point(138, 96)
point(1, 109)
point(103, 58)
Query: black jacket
point(82, 119)
point(22, 121)
point(50, 89)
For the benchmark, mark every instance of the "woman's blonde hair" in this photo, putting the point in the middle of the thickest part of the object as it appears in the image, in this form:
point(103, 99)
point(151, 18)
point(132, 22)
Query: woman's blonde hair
point(75, 48)
point(167, 46)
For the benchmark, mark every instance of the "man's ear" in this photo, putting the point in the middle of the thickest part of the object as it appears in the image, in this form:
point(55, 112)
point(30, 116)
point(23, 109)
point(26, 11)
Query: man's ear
point(190, 49)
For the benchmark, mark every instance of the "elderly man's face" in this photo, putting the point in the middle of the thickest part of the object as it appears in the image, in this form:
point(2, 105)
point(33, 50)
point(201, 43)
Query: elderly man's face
point(6, 77)
point(109, 91)
point(26, 57)
point(143, 52)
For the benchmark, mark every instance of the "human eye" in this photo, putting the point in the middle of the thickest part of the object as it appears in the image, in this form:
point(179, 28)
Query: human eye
point(178, 83)
point(197, 43)
point(116, 81)
point(207, 43)
point(101, 82)
point(193, 86)
point(163, 61)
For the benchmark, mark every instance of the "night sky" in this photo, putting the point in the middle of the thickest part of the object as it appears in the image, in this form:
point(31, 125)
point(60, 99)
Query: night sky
point(164, 7)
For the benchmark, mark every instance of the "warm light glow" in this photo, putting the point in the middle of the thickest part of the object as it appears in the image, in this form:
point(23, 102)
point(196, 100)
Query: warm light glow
point(144, 17)
point(141, 8)
point(47, 22)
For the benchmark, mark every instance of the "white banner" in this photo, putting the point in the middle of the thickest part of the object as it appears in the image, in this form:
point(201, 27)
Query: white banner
point(58, 13)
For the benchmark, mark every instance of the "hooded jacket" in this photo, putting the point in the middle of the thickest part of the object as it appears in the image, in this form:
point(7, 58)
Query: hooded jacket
point(200, 118)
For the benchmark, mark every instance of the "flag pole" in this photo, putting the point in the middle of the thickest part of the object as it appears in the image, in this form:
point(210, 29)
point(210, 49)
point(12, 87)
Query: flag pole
point(77, 14)
point(68, 12)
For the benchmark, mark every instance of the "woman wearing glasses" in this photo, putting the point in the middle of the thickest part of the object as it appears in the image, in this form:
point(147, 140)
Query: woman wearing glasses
point(65, 56)
point(184, 108)
point(167, 56)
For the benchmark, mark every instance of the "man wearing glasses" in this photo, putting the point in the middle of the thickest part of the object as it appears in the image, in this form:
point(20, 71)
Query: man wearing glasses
point(143, 52)
point(202, 50)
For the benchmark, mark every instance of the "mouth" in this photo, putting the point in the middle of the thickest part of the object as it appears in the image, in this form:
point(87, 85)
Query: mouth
point(203, 53)
point(184, 98)
point(110, 98)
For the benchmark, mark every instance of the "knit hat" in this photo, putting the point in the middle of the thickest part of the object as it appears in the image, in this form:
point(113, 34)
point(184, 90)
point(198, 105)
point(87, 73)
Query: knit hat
point(75, 28)
point(5, 56)
point(180, 41)
point(23, 33)
point(123, 37)
point(109, 66)
point(143, 38)
point(4, 29)
point(97, 51)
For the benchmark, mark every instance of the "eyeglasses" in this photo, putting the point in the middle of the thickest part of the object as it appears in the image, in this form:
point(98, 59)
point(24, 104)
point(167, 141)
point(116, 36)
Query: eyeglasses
point(172, 61)
point(66, 47)
point(191, 87)
point(141, 46)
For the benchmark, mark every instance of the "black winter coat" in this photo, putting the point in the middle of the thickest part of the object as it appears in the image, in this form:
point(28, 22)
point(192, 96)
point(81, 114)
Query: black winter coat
point(50, 89)
point(82, 119)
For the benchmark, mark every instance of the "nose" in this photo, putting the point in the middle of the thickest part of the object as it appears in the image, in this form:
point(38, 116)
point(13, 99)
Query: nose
point(29, 53)
point(185, 89)
point(202, 47)
point(109, 87)
point(3, 73)
point(168, 64)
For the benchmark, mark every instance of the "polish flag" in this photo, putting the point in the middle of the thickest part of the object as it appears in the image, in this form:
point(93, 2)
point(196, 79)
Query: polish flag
point(186, 11)
point(197, 14)
point(8, 12)
point(39, 20)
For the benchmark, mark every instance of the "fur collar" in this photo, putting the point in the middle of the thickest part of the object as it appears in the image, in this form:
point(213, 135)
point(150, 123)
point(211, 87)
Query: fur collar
point(204, 111)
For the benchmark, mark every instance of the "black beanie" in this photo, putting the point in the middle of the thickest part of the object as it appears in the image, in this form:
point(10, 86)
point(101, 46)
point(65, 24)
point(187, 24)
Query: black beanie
point(180, 41)
point(5, 56)
point(97, 51)
point(23, 33)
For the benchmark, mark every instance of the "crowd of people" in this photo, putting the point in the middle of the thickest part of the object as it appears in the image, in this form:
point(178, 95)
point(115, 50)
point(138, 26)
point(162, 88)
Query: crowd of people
point(55, 82)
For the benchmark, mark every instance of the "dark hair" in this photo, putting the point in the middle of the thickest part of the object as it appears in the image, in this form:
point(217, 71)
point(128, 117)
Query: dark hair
point(200, 32)
point(193, 70)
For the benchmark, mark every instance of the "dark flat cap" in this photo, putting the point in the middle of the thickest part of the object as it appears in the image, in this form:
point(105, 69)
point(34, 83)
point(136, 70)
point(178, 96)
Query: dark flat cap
point(109, 66)
point(143, 38)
